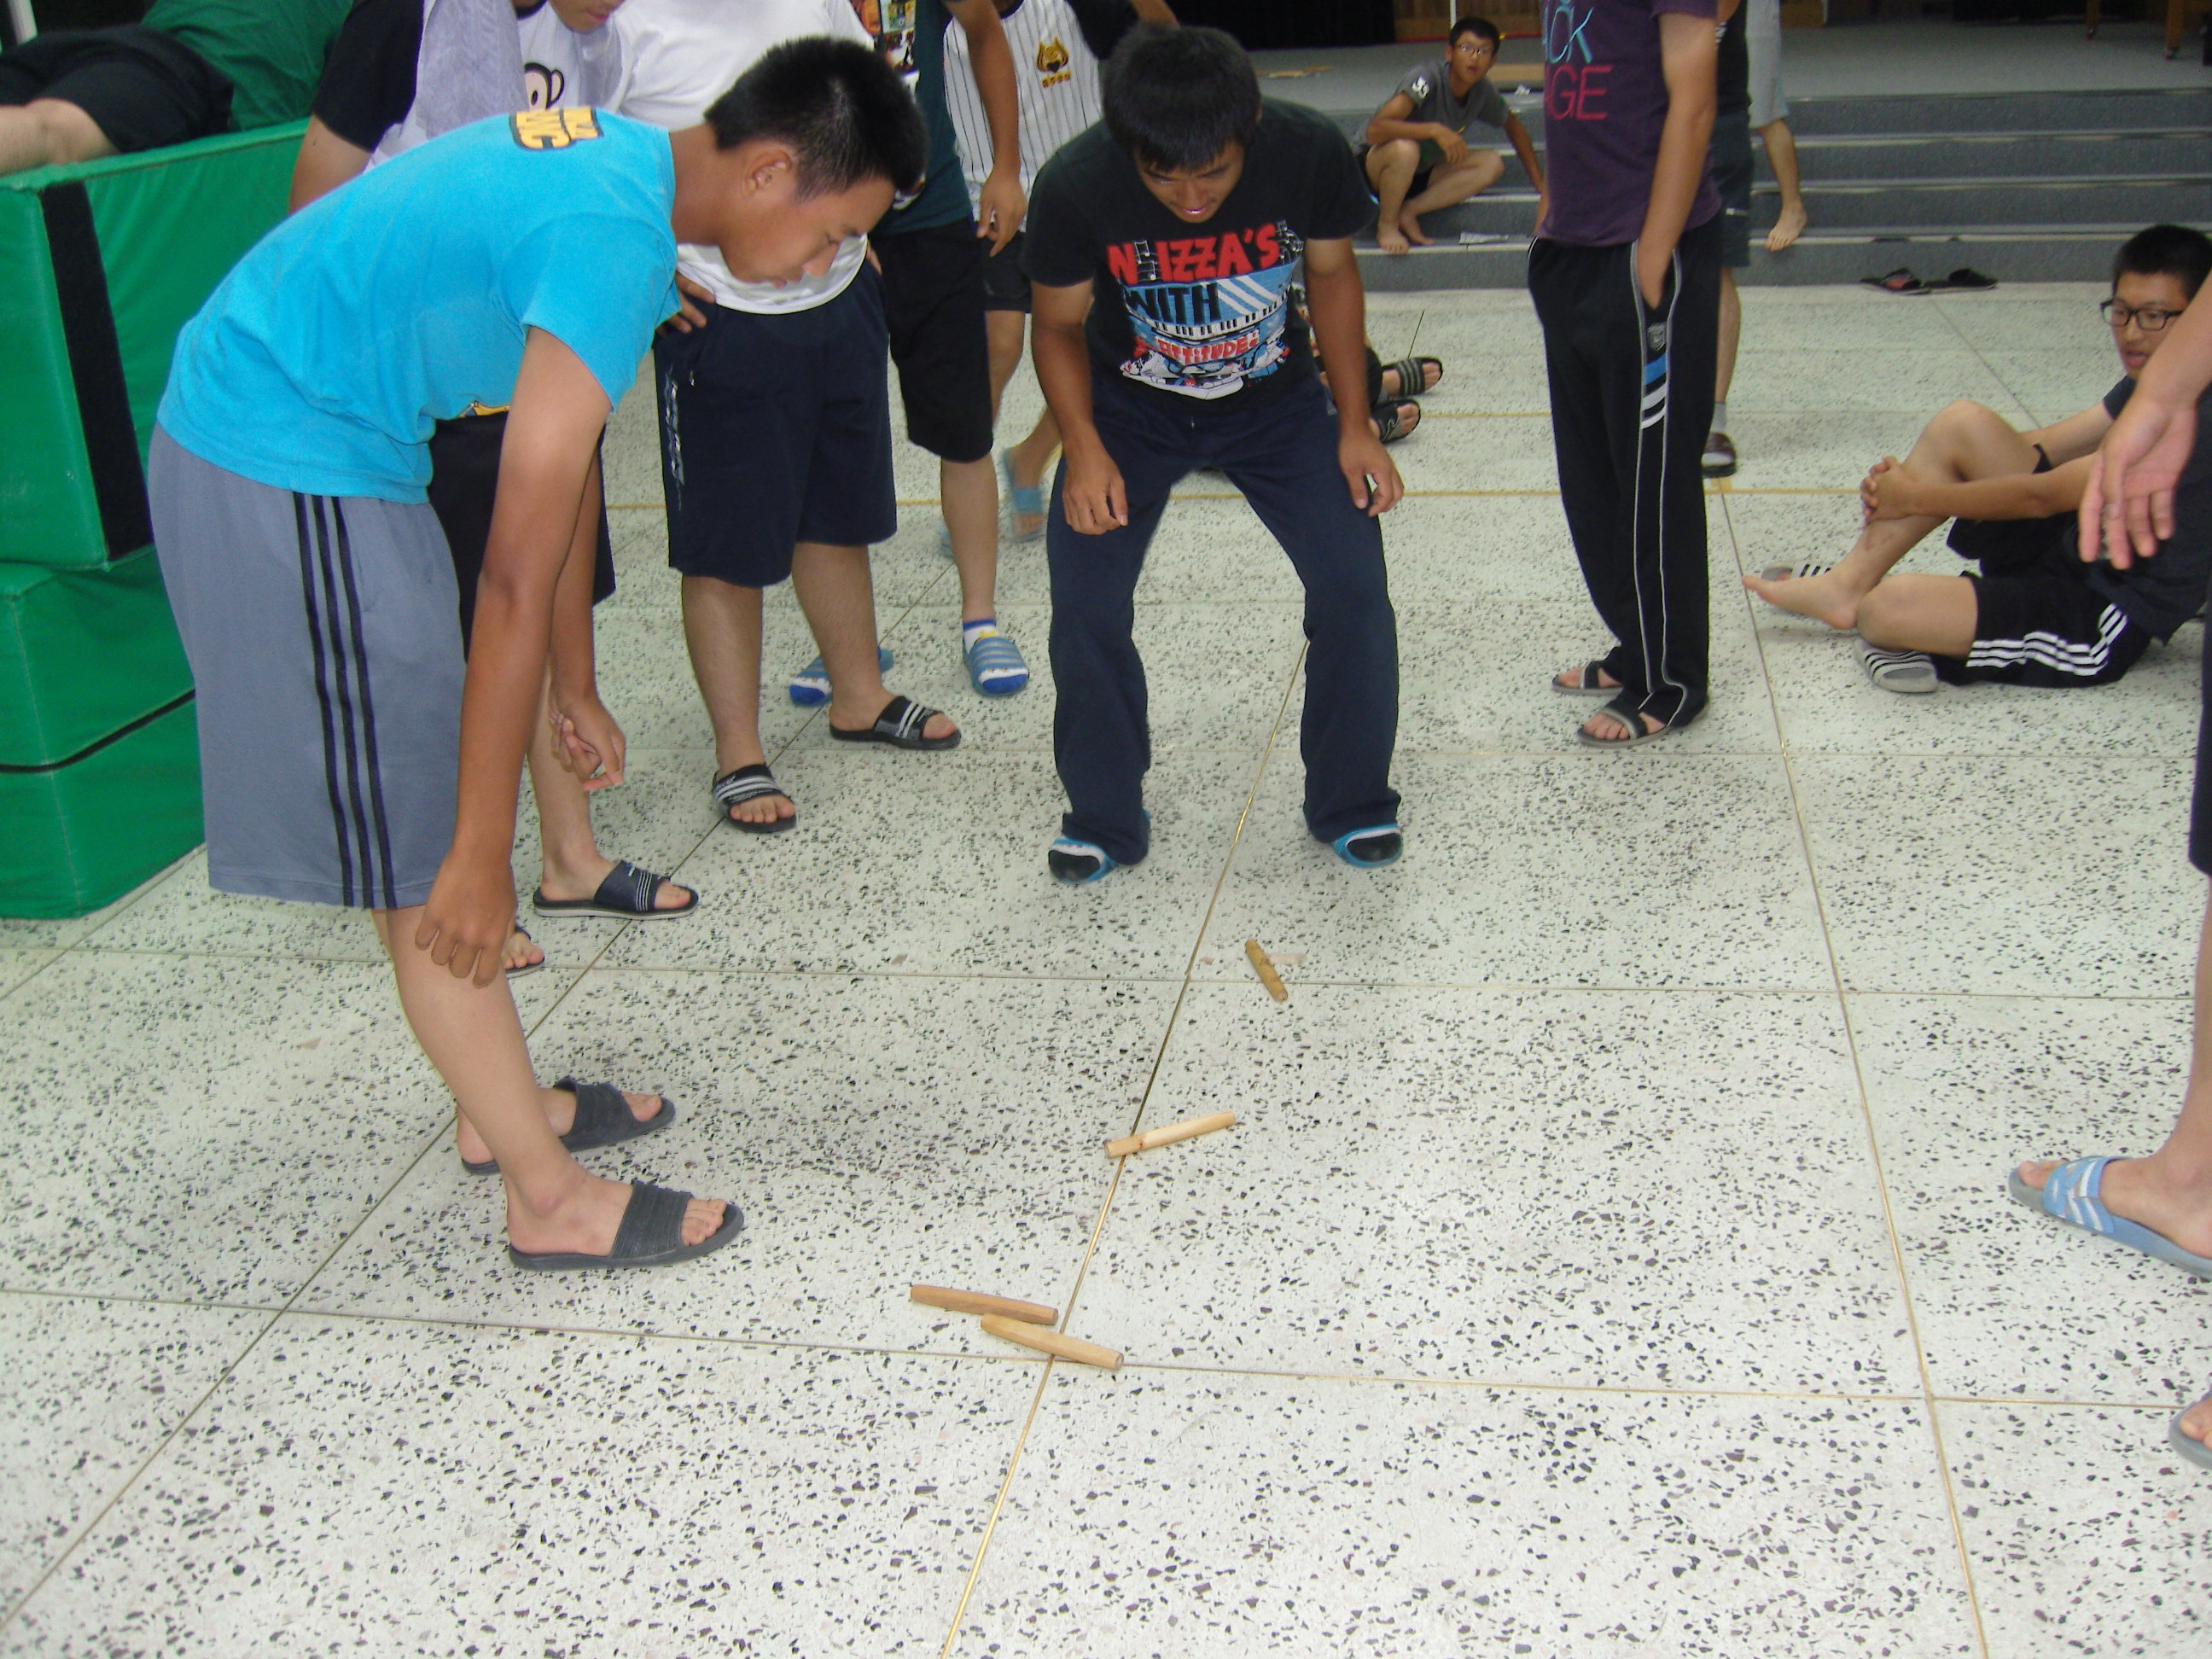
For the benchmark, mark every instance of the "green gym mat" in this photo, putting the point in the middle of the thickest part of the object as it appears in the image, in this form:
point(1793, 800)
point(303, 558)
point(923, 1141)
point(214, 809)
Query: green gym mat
point(101, 264)
point(81, 833)
point(82, 654)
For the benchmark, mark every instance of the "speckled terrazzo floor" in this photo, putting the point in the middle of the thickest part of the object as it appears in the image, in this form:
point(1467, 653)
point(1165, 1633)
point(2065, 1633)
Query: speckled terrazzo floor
point(1613, 1258)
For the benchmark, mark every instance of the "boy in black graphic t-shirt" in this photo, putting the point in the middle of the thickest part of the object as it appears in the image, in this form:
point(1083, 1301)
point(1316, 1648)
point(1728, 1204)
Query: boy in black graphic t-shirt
point(1187, 214)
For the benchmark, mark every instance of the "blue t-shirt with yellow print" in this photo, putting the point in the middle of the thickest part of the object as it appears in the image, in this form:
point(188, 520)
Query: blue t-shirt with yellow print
point(403, 297)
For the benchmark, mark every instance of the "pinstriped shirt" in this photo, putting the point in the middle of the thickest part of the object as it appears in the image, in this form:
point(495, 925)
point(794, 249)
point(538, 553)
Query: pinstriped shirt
point(1055, 78)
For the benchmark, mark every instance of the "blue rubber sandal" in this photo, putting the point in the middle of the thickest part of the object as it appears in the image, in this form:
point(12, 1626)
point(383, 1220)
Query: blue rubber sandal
point(995, 666)
point(2070, 1195)
point(810, 686)
point(1370, 848)
point(2195, 1450)
point(1022, 500)
point(1079, 863)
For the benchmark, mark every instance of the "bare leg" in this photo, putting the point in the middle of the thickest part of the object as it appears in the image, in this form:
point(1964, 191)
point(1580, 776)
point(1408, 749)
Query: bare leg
point(1912, 612)
point(1965, 441)
point(2170, 1192)
point(835, 591)
point(1390, 169)
point(722, 628)
point(970, 489)
point(1782, 156)
point(48, 132)
point(1731, 335)
point(474, 1041)
point(573, 865)
point(1005, 329)
point(1028, 459)
point(1448, 186)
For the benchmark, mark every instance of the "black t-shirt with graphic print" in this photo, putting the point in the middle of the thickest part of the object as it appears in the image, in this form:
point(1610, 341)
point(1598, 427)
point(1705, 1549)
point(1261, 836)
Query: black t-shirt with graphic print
point(1200, 313)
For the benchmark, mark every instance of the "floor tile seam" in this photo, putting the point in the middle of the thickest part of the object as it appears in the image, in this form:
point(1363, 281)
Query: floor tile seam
point(1997, 375)
point(1899, 1263)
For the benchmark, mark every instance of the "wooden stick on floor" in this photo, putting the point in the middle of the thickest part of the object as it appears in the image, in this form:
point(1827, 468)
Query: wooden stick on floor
point(975, 1302)
point(1266, 969)
point(1052, 1342)
point(1169, 1133)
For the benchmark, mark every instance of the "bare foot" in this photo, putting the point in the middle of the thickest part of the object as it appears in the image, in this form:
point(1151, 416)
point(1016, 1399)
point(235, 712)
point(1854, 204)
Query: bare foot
point(522, 952)
point(938, 724)
point(585, 1217)
point(560, 1106)
point(1609, 728)
point(1787, 228)
point(1026, 525)
point(2134, 1189)
point(1410, 223)
point(583, 881)
point(1570, 679)
point(1828, 597)
point(1389, 238)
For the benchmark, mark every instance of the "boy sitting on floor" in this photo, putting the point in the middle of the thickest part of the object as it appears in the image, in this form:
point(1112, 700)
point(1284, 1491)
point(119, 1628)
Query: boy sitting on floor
point(1417, 157)
point(348, 757)
point(1185, 212)
point(2036, 614)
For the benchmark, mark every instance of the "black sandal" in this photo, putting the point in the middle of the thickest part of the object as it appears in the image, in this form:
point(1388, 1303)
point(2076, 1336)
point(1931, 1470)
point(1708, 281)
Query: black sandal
point(1391, 420)
point(523, 968)
point(1900, 280)
point(1414, 375)
point(745, 783)
point(603, 1119)
point(900, 726)
point(626, 895)
point(651, 1236)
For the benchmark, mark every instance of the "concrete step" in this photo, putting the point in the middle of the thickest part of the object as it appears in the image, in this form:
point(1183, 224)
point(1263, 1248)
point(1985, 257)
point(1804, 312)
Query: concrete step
point(2031, 155)
point(2011, 254)
point(2092, 111)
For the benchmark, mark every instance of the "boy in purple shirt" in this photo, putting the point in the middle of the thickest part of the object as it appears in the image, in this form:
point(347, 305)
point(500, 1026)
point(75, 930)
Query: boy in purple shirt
point(1625, 274)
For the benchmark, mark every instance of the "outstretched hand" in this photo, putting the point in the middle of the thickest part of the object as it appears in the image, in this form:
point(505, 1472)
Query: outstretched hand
point(2127, 507)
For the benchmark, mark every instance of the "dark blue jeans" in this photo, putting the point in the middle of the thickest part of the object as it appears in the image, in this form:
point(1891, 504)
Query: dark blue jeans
point(1282, 454)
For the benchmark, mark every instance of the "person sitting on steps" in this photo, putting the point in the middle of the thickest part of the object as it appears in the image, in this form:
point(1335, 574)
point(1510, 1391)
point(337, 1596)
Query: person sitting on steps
point(2035, 614)
point(1417, 157)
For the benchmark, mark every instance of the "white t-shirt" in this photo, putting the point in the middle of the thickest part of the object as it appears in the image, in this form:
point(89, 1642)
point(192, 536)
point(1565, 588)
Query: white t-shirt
point(1055, 83)
point(678, 57)
point(563, 70)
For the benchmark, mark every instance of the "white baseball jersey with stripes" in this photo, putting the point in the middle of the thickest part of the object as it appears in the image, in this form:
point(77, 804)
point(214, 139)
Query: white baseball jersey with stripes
point(1055, 76)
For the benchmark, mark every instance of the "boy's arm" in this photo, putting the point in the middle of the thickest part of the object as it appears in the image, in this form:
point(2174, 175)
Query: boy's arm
point(1154, 11)
point(2128, 505)
point(591, 744)
point(2075, 437)
point(1000, 204)
point(1091, 491)
point(1688, 48)
point(1338, 306)
point(1897, 492)
point(1525, 147)
point(559, 409)
point(325, 161)
point(1390, 122)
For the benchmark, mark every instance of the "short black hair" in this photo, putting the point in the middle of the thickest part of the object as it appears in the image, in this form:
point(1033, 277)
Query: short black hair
point(2172, 251)
point(844, 112)
point(1175, 99)
point(1471, 24)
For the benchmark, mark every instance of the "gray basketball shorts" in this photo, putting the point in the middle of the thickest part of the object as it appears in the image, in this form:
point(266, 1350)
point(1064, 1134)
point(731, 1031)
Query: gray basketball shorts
point(325, 650)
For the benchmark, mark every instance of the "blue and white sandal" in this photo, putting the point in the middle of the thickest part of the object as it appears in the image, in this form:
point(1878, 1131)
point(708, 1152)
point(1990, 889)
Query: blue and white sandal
point(2194, 1449)
point(1023, 501)
point(1079, 863)
point(1370, 848)
point(2070, 1195)
point(810, 686)
point(995, 665)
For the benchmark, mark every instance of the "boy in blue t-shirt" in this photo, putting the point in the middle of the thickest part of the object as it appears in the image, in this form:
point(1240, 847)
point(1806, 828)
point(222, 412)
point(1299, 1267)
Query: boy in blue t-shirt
point(348, 757)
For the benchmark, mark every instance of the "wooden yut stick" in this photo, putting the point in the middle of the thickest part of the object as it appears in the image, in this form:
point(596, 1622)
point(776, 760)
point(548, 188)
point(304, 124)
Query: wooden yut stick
point(975, 1302)
point(1168, 1133)
point(1266, 969)
point(1052, 1342)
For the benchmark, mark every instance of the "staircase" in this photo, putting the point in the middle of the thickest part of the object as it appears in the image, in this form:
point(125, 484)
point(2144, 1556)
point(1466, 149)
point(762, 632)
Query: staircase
point(2026, 186)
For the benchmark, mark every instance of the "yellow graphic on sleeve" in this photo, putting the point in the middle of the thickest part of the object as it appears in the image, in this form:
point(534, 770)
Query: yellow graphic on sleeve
point(1051, 64)
point(554, 129)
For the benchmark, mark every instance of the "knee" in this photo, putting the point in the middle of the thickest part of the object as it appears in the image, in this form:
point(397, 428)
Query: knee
point(68, 133)
point(1396, 156)
point(1488, 167)
point(1881, 614)
point(1965, 415)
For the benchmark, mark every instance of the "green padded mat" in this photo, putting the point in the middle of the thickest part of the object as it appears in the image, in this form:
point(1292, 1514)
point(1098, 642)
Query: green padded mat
point(169, 224)
point(81, 835)
point(82, 654)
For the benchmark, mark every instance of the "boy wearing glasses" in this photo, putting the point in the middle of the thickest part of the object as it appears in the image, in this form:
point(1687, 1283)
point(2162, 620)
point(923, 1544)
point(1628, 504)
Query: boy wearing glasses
point(2035, 614)
point(1417, 158)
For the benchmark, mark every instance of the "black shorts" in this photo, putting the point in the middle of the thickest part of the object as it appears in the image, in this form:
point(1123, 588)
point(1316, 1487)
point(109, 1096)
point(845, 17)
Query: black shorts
point(1005, 284)
point(1732, 178)
point(2038, 619)
point(1420, 178)
point(776, 430)
point(464, 483)
point(933, 302)
point(143, 89)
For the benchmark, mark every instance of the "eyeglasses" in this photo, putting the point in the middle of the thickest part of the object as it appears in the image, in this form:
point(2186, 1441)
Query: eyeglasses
point(2149, 318)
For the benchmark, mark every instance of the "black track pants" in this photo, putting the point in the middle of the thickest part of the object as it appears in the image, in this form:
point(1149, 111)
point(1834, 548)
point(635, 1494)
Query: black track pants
point(1631, 399)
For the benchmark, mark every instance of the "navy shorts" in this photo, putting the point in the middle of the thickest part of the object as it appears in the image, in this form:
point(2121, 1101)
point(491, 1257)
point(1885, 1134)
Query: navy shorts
point(1732, 178)
point(933, 289)
point(776, 430)
point(1005, 284)
point(143, 89)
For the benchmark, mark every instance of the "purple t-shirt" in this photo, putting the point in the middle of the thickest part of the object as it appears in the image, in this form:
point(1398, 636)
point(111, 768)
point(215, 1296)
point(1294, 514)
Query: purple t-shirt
point(1605, 104)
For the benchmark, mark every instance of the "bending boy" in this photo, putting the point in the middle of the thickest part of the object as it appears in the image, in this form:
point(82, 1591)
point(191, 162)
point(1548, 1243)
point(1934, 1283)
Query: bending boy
point(2035, 614)
point(1185, 212)
point(348, 758)
point(1417, 158)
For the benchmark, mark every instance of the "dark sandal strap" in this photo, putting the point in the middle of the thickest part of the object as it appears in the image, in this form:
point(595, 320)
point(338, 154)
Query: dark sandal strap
point(629, 888)
point(603, 1116)
point(651, 1223)
point(743, 784)
point(1412, 374)
point(903, 718)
